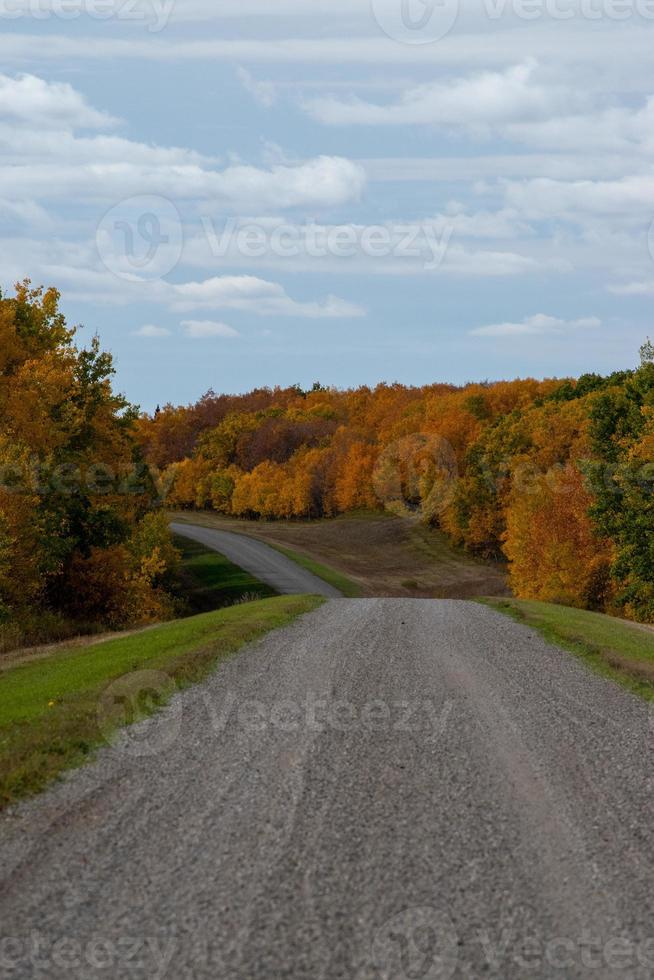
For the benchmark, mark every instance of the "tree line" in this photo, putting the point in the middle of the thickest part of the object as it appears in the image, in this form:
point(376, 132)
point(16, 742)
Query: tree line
point(555, 477)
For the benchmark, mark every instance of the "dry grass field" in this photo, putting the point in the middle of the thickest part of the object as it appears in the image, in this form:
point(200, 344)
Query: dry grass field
point(382, 554)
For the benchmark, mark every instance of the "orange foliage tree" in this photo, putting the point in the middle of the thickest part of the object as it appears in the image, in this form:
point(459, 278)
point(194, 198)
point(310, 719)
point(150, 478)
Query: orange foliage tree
point(77, 534)
point(552, 547)
point(498, 467)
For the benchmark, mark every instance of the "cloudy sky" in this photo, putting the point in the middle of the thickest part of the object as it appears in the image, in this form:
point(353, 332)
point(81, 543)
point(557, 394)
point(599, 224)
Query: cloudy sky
point(254, 192)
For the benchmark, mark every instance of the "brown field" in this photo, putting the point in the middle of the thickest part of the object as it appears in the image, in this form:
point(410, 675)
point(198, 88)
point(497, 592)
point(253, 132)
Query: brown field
point(382, 554)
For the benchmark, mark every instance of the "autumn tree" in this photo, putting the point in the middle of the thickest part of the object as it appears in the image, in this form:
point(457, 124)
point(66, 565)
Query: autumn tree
point(554, 551)
point(74, 493)
point(532, 472)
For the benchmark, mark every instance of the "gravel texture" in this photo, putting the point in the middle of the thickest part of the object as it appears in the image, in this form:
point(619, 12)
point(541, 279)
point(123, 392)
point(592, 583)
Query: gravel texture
point(393, 789)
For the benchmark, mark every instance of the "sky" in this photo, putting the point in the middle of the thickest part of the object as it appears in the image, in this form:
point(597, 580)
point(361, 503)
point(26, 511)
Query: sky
point(261, 192)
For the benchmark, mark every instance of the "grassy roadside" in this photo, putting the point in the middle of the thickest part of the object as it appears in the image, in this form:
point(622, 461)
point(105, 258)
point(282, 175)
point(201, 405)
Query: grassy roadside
point(377, 554)
point(350, 589)
point(340, 581)
point(55, 712)
point(206, 581)
point(615, 648)
point(210, 581)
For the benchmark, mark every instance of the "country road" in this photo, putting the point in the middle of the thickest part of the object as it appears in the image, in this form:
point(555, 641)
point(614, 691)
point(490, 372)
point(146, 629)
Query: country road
point(396, 789)
point(260, 560)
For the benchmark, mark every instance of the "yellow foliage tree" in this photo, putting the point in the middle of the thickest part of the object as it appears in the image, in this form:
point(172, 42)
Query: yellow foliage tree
point(550, 542)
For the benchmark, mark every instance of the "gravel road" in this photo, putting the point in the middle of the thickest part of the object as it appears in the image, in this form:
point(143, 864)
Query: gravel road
point(260, 560)
point(395, 789)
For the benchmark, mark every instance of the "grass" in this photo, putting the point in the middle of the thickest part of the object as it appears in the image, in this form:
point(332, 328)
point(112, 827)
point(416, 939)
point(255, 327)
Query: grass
point(209, 581)
point(205, 572)
point(376, 553)
point(615, 648)
point(340, 581)
point(55, 712)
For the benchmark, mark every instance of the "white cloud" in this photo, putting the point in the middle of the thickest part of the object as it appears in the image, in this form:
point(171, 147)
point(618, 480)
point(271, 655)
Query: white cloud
point(481, 101)
point(546, 41)
point(504, 223)
point(546, 198)
point(25, 214)
point(496, 166)
point(74, 268)
point(263, 92)
point(208, 328)
point(43, 158)
point(617, 129)
point(644, 288)
point(112, 170)
point(563, 183)
point(227, 290)
point(31, 101)
point(256, 296)
point(325, 181)
point(467, 263)
point(538, 325)
point(151, 330)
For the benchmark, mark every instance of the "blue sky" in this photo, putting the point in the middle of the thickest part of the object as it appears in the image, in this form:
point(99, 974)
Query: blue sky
point(277, 191)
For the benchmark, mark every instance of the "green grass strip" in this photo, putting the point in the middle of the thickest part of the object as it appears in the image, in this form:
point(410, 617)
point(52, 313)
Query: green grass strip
point(350, 589)
point(615, 648)
point(210, 581)
point(51, 710)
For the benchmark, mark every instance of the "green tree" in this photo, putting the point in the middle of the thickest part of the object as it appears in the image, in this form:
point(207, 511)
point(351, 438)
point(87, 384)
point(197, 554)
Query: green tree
point(647, 353)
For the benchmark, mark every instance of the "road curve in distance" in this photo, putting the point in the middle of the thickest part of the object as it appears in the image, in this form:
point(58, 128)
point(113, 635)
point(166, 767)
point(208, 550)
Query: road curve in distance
point(388, 789)
point(260, 560)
